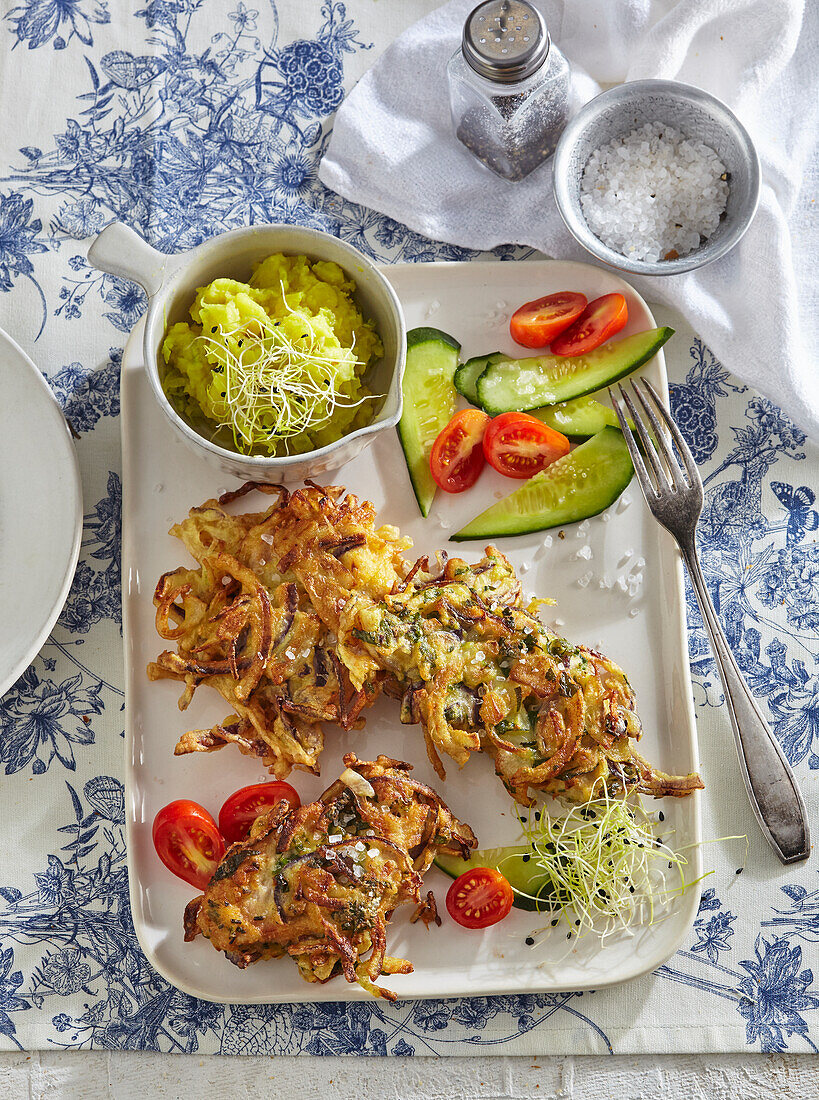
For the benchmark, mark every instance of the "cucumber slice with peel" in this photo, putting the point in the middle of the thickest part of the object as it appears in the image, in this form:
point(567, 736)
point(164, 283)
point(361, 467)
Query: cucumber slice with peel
point(523, 874)
point(579, 419)
point(429, 403)
point(468, 373)
point(509, 385)
point(581, 484)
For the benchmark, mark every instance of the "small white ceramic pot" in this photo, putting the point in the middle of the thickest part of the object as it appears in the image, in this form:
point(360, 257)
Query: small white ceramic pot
point(171, 282)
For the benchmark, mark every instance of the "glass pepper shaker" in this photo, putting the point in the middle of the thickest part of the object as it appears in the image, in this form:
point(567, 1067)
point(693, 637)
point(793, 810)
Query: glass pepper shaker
point(508, 88)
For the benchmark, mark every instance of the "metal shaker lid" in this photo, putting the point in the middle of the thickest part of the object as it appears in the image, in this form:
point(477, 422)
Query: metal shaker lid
point(505, 40)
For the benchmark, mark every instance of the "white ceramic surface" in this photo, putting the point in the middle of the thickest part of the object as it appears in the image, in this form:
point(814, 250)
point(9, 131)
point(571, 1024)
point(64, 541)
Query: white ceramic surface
point(162, 480)
point(171, 282)
point(40, 511)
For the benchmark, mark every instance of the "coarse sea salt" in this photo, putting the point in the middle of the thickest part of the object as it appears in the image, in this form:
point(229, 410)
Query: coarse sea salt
point(654, 194)
point(585, 580)
point(585, 552)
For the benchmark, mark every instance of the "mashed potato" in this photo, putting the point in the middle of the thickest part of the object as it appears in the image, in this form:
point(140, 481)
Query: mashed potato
point(273, 366)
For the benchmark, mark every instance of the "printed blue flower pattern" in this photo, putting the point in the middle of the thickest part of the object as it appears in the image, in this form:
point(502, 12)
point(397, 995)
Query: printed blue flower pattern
point(215, 123)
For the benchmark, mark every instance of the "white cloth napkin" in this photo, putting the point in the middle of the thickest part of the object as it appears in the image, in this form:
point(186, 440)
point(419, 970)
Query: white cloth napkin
point(393, 149)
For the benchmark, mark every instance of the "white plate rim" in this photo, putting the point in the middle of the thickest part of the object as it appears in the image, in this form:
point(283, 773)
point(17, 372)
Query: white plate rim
point(62, 436)
point(333, 991)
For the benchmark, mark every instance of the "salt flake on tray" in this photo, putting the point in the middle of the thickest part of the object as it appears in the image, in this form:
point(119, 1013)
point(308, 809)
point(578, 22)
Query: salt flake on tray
point(585, 580)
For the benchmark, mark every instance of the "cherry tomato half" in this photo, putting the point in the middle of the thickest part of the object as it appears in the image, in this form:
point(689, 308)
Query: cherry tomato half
point(519, 445)
point(537, 323)
point(187, 841)
point(479, 897)
point(245, 805)
point(600, 320)
point(457, 456)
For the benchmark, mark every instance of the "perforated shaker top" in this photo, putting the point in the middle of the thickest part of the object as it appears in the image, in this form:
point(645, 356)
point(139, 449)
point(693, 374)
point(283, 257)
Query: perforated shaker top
point(505, 40)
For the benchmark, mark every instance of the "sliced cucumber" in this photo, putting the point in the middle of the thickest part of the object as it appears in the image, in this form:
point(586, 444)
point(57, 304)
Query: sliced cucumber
point(468, 373)
point(579, 419)
point(525, 876)
point(522, 384)
point(581, 484)
point(429, 402)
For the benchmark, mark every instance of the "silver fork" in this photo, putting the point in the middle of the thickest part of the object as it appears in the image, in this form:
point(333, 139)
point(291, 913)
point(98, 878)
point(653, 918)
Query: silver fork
point(675, 497)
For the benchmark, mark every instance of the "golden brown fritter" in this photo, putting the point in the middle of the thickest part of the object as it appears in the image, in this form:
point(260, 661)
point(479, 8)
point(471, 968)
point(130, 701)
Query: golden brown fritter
point(245, 623)
point(480, 672)
point(320, 882)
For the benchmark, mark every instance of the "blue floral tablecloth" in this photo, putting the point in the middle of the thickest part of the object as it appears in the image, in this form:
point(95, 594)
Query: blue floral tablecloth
point(185, 118)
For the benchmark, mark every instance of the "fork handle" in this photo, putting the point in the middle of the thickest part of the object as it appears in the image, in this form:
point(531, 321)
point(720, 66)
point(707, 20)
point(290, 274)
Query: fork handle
point(769, 780)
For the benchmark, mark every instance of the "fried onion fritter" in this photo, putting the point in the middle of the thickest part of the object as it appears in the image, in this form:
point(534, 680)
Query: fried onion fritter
point(245, 623)
point(319, 883)
point(480, 672)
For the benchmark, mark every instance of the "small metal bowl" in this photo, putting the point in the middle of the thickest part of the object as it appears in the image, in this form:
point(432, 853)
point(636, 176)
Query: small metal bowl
point(697, 115)
point(171, 282)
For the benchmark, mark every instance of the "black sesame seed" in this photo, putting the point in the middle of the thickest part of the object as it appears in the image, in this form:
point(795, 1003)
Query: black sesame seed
point(213, 329)
point(537, 815)
point(526, 859)
point(739, 870)
point(529, 941)
point(240, 343)
point(661, 816)
point(577, 924)
point(555, 922)
point(631, 889)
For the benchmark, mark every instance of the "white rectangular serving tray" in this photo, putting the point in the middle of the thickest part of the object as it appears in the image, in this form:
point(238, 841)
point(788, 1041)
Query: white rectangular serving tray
point(645, 633)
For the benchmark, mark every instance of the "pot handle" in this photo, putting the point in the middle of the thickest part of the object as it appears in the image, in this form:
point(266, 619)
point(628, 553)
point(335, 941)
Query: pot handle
point(120, 251)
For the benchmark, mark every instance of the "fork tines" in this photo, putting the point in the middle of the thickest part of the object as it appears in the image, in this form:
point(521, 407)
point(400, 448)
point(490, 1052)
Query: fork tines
point(668, 475)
